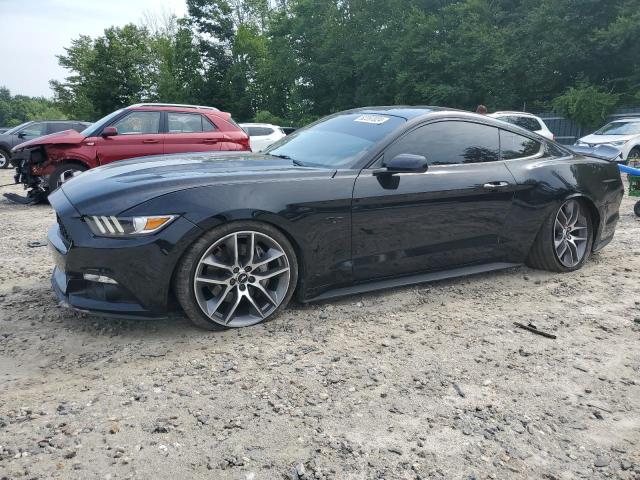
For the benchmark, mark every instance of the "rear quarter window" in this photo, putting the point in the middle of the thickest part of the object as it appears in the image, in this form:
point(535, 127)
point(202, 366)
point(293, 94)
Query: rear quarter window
point(514, 146)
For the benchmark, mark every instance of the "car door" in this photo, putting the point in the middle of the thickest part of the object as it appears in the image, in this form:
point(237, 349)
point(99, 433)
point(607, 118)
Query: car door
point(138, 136)
point(450, 216)
point(191, 132)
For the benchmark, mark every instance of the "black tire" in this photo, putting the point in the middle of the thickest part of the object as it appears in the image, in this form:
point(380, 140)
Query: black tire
point(184, 274)
point(63, 173)
point(5, 159)
point(543, 254)
point(636, 209)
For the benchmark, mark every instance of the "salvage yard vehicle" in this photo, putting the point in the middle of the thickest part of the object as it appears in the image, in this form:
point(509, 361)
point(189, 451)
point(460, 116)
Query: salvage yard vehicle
point(361, 200)
point(31, 130)
point(139, 130)
point(623, 134)
point(262, 135)
point(528, 121)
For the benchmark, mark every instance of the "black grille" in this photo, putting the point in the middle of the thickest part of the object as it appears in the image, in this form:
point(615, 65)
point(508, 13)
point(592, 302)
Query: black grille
point(63, 230)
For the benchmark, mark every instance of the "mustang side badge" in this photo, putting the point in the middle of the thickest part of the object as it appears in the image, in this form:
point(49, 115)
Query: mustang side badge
point(375, 119)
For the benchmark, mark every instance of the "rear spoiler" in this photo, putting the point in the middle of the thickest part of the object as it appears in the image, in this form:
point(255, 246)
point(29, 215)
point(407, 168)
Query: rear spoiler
point(603, 152)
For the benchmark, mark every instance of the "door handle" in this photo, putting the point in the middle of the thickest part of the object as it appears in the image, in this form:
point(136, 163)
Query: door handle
point(149, 140)
point(494, 185)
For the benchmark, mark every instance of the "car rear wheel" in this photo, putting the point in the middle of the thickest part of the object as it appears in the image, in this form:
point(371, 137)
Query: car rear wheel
point(63, 173)
point(4, 159)
point(565, 240)
point(236, 275)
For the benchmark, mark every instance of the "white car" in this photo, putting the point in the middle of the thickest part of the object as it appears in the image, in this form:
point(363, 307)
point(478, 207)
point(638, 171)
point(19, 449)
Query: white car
point(262, 135)
point(623, 134)
point(525, 120)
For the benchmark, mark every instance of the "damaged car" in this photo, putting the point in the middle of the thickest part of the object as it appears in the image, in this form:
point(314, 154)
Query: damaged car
point(146, 129)
point(361, 200)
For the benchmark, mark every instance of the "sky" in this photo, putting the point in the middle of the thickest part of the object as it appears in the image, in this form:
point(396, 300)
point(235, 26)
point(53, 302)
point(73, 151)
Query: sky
point(35, 31)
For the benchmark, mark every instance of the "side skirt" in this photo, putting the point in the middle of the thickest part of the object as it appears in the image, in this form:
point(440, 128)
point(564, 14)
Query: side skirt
point(411, 280)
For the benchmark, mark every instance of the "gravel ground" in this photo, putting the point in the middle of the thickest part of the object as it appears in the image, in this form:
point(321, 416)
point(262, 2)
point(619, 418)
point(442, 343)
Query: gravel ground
point(432, 381)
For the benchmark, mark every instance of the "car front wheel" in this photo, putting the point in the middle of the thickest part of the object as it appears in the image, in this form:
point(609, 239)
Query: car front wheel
point(5, 158)
point(565, 239)
point(63, 173)
point(236, 275)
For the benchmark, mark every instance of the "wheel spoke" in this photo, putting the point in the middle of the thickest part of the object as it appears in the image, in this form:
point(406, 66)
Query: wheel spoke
point(252, 246)
point(573, 250)
point(214, 304)
point(562, 216)
point(233, 309)
point(212, 261)
point(264, 291)
point(212, 281)
point(575, 212)
point(235, 250)
point(562, 250)
point(271, 274)
point(269, 257)
point(254, 304)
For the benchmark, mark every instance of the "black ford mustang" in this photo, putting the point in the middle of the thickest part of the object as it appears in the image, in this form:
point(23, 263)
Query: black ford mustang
point(361, 200)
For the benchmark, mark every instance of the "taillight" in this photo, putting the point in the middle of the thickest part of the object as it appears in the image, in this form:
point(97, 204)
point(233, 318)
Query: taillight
point(244, 141)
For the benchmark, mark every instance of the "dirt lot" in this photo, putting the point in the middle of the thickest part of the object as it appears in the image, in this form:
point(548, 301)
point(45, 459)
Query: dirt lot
point(432, 381)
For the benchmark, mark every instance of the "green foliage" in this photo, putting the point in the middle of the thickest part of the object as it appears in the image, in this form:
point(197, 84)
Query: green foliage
point(587, 105)
point(264, 116)
point(302, 59)
point(18, 109)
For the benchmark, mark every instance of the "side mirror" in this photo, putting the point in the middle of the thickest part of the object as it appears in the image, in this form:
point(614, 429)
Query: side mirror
point(404, 163)
point(22, 135)
point(109, 131)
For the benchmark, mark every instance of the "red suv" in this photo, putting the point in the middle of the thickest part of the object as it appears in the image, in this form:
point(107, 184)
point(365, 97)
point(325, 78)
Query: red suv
point(140, 130)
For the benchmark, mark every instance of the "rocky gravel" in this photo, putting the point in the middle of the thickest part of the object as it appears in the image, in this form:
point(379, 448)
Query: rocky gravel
point(426, 382)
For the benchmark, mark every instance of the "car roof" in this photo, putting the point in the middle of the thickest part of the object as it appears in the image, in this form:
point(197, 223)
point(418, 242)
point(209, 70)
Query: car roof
point(407, 112)
point(629, 119)
point(258, 125)
point(511, 112)
point(176, 107)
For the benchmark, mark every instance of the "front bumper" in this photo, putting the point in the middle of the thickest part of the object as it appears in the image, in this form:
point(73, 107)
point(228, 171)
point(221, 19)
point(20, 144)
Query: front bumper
point(141, 267)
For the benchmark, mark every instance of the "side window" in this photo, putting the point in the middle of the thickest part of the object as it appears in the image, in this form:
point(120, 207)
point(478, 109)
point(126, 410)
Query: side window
point(451, 142)
point(188, 123)
point(207, 126)
point(138, 123)
point(259, 131)
point(34, 130)
point(528, 123)
point(514, 146)
point(55, 127)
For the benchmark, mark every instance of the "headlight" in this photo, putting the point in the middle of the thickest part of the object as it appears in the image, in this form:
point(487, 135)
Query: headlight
point(580, 144)
point(124, 226)
point(618, 143)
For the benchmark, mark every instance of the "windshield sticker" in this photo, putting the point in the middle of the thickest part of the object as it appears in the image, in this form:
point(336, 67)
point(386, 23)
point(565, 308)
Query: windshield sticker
point(374, 119)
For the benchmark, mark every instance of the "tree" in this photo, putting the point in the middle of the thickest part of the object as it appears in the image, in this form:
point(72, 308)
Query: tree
point(587, 105)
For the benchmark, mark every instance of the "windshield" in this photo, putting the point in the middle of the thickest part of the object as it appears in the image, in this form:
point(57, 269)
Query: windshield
point(620, 128)
point(15, 129)
point(337, 141)
point(91, 129)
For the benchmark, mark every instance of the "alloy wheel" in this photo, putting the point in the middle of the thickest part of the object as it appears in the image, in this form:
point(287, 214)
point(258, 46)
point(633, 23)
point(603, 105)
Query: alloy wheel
point(571, 234)
point(4, 160)
point(241, 279)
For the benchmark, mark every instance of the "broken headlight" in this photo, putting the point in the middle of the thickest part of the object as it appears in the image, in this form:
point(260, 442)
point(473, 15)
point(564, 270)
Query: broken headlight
point(111, 226)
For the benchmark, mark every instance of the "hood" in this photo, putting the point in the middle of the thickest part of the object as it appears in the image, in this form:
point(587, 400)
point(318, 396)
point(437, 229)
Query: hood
point(597, 139)
point(65, 137)
point(121, 185)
